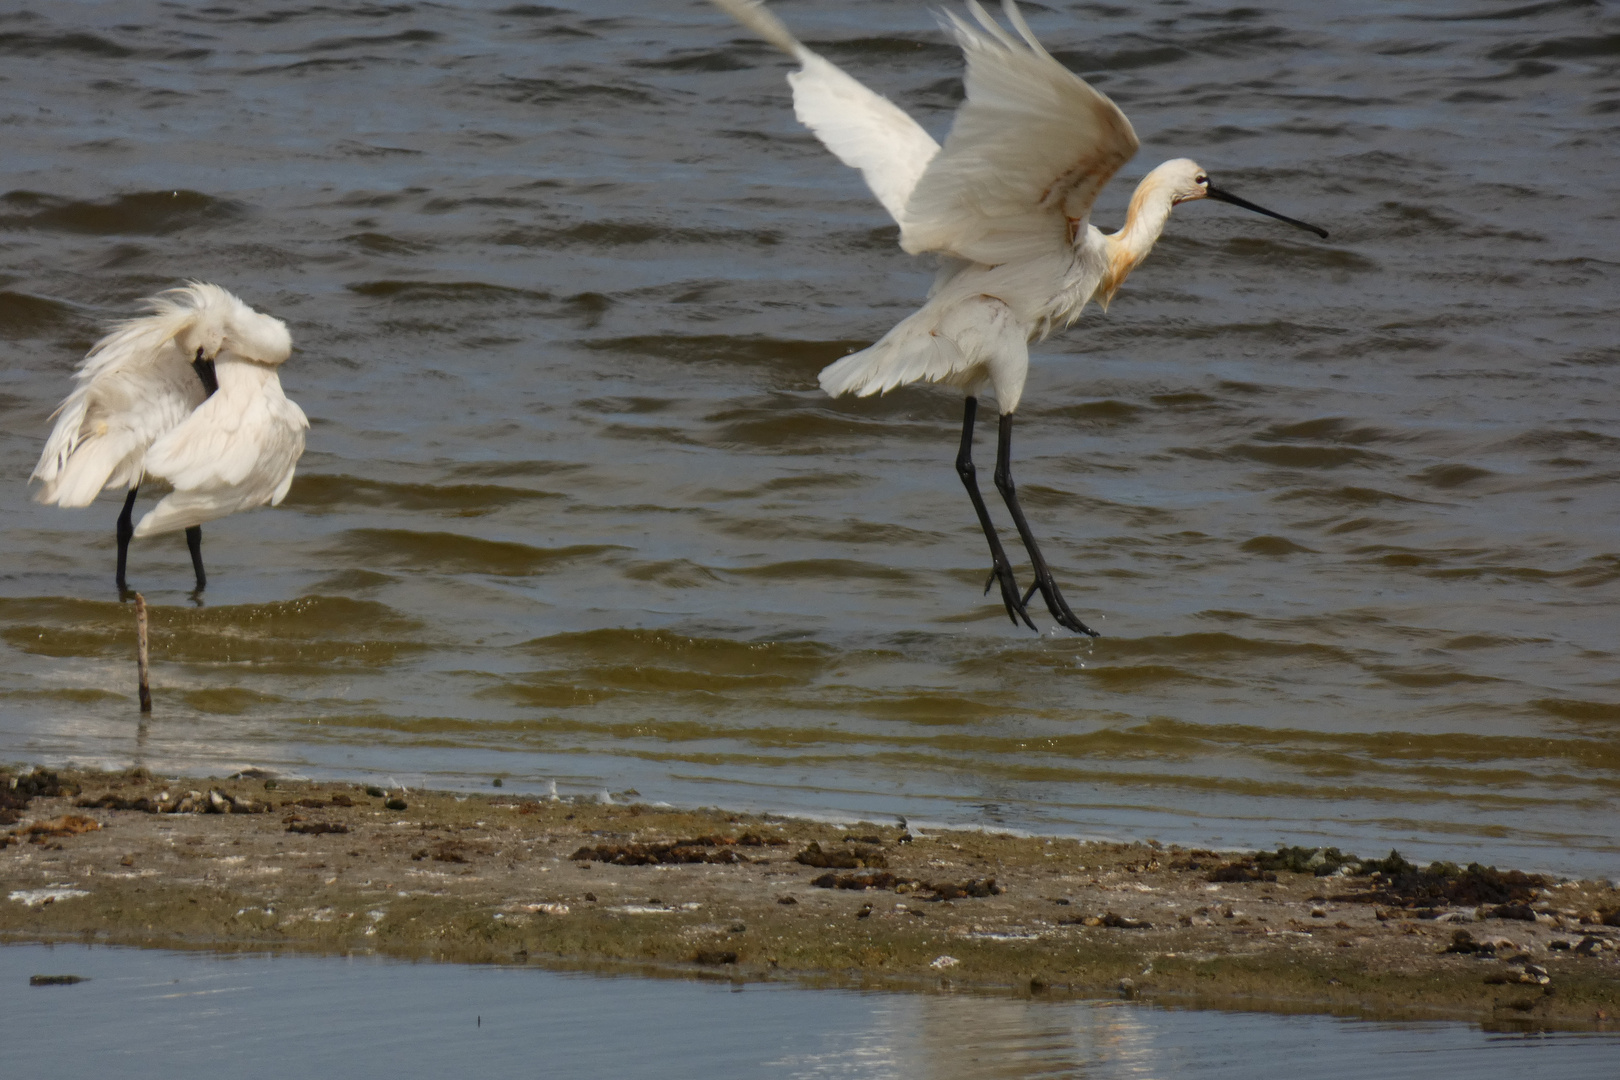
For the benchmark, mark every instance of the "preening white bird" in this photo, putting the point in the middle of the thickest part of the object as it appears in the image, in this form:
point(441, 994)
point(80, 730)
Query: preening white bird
point(188, 394)
point(1006, 203)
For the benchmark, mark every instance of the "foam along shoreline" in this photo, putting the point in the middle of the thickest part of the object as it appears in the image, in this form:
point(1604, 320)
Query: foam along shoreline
point(254, 864)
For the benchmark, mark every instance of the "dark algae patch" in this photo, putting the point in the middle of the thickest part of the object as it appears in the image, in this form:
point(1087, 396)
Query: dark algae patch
point(1442, 884)
point(256, 862)
point(1392, 881)
point(56, 980)
point(703, 849)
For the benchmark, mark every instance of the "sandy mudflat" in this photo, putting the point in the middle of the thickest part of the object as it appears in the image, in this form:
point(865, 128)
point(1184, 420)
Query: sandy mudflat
point(493, 878)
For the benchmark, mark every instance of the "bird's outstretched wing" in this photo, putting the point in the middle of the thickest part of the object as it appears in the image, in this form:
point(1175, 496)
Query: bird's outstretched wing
point(235, 452)
point(1033, 145)
point(866, 131)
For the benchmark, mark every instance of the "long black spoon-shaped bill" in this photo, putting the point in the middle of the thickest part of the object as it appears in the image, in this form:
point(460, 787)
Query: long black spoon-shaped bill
point(1214, 192)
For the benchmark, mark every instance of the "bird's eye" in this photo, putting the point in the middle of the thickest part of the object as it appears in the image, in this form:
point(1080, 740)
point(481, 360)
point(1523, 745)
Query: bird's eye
point(1201, 180)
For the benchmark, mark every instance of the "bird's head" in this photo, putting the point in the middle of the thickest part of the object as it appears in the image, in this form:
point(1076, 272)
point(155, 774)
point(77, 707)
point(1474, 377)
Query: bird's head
point(218, 322)
point(201, 339)
point(1186, 180)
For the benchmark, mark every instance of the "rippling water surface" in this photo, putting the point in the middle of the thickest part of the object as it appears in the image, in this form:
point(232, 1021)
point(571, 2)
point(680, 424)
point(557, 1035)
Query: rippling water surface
point(232, 1015)
point(560, 279)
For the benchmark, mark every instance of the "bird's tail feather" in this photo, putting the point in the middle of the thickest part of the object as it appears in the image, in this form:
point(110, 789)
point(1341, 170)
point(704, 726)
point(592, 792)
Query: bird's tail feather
point(971, 342)
point(913, 351)
point(752, 14)
point(183, 509)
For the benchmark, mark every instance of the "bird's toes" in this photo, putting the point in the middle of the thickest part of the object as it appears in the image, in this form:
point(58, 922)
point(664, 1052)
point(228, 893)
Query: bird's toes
point(1059, 607)
point(1015, 608)
point(1070, 621)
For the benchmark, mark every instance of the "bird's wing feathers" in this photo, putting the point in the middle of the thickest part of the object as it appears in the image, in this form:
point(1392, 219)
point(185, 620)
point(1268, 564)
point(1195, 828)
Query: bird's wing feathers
point(866, 131)
point(133, 386)
point(235, 452)
point(758, 18)
point(1032, 145)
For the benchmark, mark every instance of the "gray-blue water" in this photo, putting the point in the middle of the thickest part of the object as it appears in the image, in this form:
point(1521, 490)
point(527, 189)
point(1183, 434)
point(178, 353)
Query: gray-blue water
point(161, 1014)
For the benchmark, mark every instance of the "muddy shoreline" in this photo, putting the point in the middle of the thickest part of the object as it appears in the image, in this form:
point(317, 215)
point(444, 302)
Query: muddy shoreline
point(264, 864)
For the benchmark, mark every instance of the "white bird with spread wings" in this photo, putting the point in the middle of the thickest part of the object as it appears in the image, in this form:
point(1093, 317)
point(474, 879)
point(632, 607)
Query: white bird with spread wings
point(187, 394)
point(1007, 202)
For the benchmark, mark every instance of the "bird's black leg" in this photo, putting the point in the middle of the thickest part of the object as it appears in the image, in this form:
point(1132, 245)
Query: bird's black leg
point(205, 373)
point(126, 529)
point(194, 543)
point(1001, 570)
point(1043, 576)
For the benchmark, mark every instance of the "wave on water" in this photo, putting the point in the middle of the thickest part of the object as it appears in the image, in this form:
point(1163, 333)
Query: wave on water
point(295, 636)
point(146, 213)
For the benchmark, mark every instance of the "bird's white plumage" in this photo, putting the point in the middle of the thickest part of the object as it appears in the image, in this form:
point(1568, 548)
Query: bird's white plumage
point(238, 450)
point(1030, 148)
point(140, 409)
point(866, 131)
point(966, 338)
point(133, 386)
point(1005, 201)
point(1028, 152)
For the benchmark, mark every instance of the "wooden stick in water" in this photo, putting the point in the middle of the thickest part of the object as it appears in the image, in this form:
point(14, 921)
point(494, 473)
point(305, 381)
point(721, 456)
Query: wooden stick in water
point(140, 653)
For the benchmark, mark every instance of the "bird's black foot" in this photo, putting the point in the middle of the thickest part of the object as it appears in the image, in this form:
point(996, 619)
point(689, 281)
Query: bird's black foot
point(194, 545)
point(1002, 573)
point(125, 593)
point(1057, 605)
point(1037, 563)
